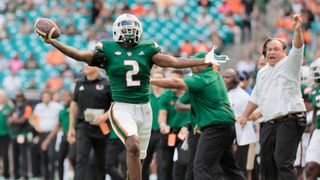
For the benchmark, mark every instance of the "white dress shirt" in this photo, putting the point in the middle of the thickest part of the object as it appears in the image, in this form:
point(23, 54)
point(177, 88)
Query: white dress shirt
point(277, 90)
point(238, 99)
point(48, 115)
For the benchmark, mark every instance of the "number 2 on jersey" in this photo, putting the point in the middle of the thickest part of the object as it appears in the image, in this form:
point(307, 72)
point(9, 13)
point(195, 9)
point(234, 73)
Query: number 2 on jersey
point(135, 70)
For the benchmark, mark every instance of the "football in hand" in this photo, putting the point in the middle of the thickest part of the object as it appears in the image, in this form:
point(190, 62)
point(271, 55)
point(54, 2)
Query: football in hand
point(46, 28)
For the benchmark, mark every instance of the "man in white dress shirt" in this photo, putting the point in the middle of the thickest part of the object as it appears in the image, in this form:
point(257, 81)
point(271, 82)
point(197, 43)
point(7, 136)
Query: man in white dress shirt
point(44, 120)
point(277, 94)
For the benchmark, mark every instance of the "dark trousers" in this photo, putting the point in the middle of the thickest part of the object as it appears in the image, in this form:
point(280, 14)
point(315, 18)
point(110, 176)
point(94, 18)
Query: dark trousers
point(20, 158)
point(214, 149)
point(241, 156)
point(279, 141)
point(48, 157)
point(88, 137)
point(168, 169)
point(4, 148)
point(113, 151)
point(35, 156)
point(62, 154)
point(192, 148)
point(152, 148)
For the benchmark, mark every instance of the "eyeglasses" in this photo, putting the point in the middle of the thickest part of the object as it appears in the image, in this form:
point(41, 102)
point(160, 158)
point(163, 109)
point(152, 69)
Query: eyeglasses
point(264, 48)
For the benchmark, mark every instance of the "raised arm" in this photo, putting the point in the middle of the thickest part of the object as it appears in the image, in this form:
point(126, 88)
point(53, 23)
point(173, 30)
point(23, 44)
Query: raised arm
point(298, 36)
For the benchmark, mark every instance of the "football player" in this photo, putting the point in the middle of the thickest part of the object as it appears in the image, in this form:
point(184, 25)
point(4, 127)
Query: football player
point(128, 61)
point(313, 155)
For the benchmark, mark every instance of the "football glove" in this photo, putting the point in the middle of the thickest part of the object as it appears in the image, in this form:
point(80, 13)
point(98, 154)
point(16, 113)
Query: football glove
point(212, 58)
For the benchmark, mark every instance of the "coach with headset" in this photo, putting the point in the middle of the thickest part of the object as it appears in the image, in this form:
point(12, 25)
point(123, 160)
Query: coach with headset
point(277, 94)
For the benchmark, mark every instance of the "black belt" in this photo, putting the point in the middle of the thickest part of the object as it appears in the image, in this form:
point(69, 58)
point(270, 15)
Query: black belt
point(278, 119)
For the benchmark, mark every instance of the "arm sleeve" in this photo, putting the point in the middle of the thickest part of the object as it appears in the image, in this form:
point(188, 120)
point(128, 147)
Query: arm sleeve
point(155, 48)
point(163, 104)
point(194, 83)
point(295, 59)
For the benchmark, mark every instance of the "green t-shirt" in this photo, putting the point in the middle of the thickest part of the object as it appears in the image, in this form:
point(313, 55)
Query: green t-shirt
point(175, 119)
point(64, 119)
point(154, 101)
point(315, 99)
point(5, 111)
point(128, 70)
point(185, 99)
point(209, 99)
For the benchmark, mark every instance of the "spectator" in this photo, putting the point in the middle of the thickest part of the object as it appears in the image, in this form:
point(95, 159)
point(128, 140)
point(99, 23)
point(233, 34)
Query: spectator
point(55, 83)
point(25, 27)
point(31, 63)
point(246, 64)
point(204, 18)
point(204, 3)
point(138, 9)
point(54, 57)
point(11, 84)
point(201, 46)
point(3, 62)
point(186, 49)
point(19, 128)
point(95, 11)
point(44, 120)
point(15, 64)
point(245, 81)
point(71, 29)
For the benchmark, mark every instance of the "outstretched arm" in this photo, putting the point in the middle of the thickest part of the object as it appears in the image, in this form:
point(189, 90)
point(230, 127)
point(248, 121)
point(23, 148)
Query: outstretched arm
point(174, 83)
point(164, 60)
point(85, 56)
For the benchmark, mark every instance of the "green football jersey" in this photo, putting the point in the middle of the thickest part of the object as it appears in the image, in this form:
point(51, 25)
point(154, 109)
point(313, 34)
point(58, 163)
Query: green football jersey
point(315, 97)
point(175, 119)
point(209, 99)
point(128, 70)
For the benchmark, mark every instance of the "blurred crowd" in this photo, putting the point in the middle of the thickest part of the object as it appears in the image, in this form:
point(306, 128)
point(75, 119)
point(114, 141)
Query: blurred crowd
point(28, 64)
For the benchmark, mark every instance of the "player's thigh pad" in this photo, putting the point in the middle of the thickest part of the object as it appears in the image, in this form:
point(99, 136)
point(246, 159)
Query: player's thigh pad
point(123, 121)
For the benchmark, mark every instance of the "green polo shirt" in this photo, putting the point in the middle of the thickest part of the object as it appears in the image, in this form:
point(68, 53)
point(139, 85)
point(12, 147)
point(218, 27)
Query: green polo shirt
point(5, 111)
point(64, 119)
point(209, 99)
point(154, 101)
point(185, 99)
point(175, 119)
